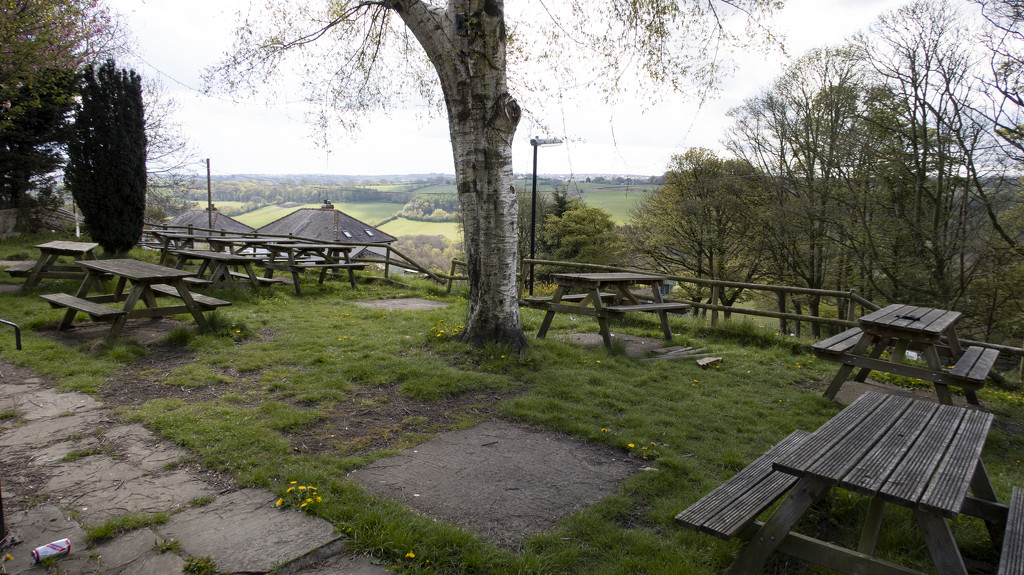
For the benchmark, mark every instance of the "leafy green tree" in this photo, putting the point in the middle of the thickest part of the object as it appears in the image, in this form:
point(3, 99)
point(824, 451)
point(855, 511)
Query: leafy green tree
point(803, 134)
point(703, 221)
point(33, 136)
point(582, 234)
point(106, 169)
point(358, 56)
point(42, 44)
point(932, 234)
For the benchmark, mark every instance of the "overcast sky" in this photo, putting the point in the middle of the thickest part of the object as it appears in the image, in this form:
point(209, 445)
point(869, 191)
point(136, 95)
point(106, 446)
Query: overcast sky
point(178, 39)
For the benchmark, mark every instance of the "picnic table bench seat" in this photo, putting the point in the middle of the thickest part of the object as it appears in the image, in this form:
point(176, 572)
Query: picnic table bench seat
point(974, 365)
point(262, 280)
point(331, 266)
point(203, 300)
point(197, 281)
point(96, 311)
point(1011, 561)
point(735, 504)
point(541, 301)
point(20, 269)
point(839, 343)
point(671, 307)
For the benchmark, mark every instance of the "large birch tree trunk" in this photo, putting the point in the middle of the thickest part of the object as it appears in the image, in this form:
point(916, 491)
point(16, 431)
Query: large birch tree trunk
point(466, 44)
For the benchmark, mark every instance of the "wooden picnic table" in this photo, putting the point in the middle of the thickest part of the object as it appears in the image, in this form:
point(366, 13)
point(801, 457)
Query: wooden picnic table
point(236, 244)
point(895, 450)
point(48, 265)
point(897, 329)
point(215, 269)
point(148, 281)
point(298, 256)
point(172, 240)
point(605, 296)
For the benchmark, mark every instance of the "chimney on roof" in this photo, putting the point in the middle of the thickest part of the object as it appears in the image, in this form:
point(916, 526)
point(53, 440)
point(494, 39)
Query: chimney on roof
point(211, 208)
point(327, 205)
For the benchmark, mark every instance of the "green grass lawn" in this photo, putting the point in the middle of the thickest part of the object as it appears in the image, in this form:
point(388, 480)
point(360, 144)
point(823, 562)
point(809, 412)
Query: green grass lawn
point(285, 367)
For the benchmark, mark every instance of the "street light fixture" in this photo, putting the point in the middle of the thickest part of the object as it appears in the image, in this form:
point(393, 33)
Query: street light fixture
point(536, 143)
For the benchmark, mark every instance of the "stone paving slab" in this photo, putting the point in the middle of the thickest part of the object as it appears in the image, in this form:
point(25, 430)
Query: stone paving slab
point(142, 448)
point(122, 468)
point(247, 533)
point(39, 526)
point(99, 488)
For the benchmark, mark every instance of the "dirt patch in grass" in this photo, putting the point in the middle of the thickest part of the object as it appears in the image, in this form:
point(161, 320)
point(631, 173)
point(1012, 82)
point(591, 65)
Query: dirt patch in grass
point(382, 418)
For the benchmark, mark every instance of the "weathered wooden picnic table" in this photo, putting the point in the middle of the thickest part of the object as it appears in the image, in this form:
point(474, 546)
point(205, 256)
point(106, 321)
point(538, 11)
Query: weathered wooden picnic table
point(215, 269)
point(48, 264)
point(237, 244)
point(898, 328)
point(296, 257)
point(605, 296)
point(895, 450)
point(148, 280)
point(172, 240)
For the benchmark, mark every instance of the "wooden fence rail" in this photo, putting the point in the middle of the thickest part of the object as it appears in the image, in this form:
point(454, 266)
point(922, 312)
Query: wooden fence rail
point(854, 299)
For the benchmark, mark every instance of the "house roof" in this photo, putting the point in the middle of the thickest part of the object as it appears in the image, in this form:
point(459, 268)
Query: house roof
point(326, 223)
point(201, 219)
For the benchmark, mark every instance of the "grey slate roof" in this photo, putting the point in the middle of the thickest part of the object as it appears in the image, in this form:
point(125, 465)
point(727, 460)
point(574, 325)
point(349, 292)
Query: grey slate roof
point(327, 224)
point(201, 219)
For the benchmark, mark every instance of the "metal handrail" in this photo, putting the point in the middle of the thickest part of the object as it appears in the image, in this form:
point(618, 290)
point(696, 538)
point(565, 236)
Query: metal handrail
point(17, 332)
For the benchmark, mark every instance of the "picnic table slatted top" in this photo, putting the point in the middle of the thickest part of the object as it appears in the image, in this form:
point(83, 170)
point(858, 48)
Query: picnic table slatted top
point(135, 269)
point(914, 453)
point(610, 277)
point(67, 247)
point(212, 255)
point(927, 321)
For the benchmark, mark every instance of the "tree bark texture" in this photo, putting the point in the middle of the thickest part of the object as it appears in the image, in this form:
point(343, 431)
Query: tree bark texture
point(466, 42)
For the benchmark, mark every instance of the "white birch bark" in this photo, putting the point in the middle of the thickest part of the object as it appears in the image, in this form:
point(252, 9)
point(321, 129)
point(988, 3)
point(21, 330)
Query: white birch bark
point(466, 43)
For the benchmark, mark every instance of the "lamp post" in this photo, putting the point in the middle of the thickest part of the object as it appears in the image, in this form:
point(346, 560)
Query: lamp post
point(536, 143)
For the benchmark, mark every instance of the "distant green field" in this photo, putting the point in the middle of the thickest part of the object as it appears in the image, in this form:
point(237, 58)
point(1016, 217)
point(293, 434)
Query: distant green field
point(223, 206)
point(619, 203)
point(439, 189)
point(263, 216)
point(617, 200)
point(368, 212)
point(403, 227)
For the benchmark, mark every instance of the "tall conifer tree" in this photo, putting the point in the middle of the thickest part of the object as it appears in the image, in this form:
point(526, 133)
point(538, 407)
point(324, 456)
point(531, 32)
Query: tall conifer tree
point(106, 169)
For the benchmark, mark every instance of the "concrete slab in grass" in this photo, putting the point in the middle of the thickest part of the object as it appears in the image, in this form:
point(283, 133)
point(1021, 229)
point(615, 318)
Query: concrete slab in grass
point(500, 480)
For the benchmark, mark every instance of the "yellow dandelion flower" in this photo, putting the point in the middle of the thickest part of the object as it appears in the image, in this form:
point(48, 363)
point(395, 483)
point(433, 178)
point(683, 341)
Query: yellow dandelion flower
point(303, 505)
point(410, 555)
point(302, 488)
point(289, 490)
point(293, 482)
point(630, 446)
point(279, 502)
